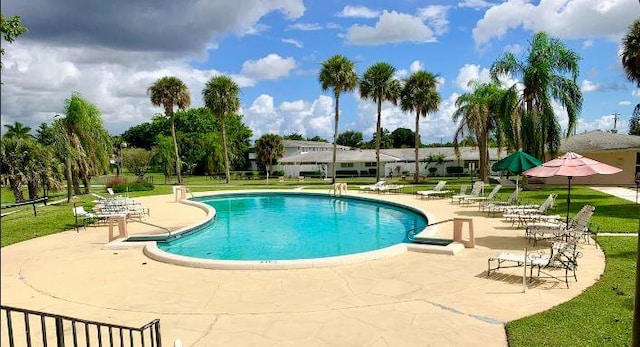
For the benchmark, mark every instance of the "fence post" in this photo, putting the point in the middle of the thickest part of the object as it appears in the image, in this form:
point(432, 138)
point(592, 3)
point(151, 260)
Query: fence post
point(59, 332)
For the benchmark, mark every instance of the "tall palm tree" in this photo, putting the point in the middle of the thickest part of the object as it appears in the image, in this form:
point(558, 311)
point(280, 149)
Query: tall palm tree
point(168, 92)
point(221, 97)
point(337, 73)
point(379, 85)
point(631, 52)
point(420, 94)
point(17, 130)
point(549, 73)
point(479, 112)
point(269, 149)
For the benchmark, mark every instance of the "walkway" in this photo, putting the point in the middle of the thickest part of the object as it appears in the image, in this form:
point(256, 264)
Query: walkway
point(620, 192)
point(413, 299)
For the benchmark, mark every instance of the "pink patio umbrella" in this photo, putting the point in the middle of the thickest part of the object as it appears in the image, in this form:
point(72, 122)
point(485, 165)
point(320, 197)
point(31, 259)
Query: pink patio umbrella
point(571, 164)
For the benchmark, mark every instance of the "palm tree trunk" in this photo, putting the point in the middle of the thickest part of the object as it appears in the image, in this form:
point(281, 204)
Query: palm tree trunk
point(175, 148)
point(67, 176)
point(226, 151)
point(87, 184)
point(335, 138)
point(76, 183)
point(32, 187)
point(16, 187)
point(378, 126)
point(417, 143)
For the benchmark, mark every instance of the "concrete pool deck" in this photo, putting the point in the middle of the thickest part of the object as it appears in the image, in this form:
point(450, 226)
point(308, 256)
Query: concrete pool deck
point(411, 299)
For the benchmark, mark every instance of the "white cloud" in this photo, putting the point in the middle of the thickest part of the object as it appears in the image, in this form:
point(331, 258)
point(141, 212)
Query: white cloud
point(270, 67)
point(624, 103)
point(475, 4)
point(471, 72)
point(587, 43)
point(392, 27)
point(567, 19)
point(358, 12)
point(441, 81)
point(416, 65)
point(588, 86)
point(635, 92)
point(298, 116)
point(293, 42)
point(516, 49)
point(305, 26)
point(436, 17)
point(400, 74)
point(603, 123)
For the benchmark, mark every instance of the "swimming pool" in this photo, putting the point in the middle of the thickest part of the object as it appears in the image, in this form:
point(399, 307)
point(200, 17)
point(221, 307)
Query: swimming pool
point(286, 226)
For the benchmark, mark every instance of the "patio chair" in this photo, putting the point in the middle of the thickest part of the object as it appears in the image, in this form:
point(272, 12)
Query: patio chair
point(436, 191)
point(475, 192)
point(496, 205)
point(110, 191)
point(562, 255)
point(389, 188)
point(521, 215)
point(86, 217)
point(578, 228)
point(463, 191)
point(471, 199)
point(372, 187)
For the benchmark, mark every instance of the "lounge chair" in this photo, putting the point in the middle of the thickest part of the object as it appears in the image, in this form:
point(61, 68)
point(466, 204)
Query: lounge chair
point(436, 191)
point(522, 215)
point(372, 187)
point(475, 192)
point(110, 191)
point(388, 188)
point(562, 256)
point(495, 205)
point(578, 228)
point(86, 217)
point(471, 199)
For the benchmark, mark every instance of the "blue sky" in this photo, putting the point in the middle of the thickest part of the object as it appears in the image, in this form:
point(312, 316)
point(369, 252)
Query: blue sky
point(112, 52)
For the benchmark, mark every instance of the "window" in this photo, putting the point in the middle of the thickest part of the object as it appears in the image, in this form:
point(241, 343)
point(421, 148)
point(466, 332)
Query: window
point(343, 165)
point(370, 164)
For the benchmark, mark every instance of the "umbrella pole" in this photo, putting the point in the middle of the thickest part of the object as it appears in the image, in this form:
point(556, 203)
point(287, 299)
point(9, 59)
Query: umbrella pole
point(568, 199)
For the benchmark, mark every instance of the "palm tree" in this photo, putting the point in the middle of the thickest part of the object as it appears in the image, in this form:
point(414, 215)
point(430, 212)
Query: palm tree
point(221, 97)
point(379, 85)
point(478, 112)
point(549, 73)
point(631, 52)
point(81, 142)
point(337, 73)
point(420, 94)
point(17, 130)
point(269, 149)
point(168, 92)
point(13, 153)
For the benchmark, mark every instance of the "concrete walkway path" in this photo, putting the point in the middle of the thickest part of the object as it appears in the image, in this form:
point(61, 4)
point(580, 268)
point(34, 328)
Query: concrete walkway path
point(620, 192)
point(412, 299)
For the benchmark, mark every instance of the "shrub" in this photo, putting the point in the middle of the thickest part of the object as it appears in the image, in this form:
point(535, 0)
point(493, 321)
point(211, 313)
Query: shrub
point(112, 181)
point(132, 187)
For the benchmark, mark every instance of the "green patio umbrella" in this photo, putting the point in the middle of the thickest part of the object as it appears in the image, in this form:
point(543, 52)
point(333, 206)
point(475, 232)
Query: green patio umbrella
point(516, 163)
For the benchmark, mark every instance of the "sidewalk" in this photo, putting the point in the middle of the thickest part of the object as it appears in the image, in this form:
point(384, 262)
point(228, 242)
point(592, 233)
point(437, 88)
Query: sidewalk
point(621, 192)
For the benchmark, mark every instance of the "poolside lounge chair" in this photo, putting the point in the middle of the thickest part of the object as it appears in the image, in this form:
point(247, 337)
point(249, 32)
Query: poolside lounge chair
point(471, 199)
point(521, 215)
point(475, 192)
point(436, 191)
point(496, 204)
point(562, 256)
point(463, 191)
point(110, 191)
point(578, 228)
point(372, 187)
point(86, 217)
point(389, 188)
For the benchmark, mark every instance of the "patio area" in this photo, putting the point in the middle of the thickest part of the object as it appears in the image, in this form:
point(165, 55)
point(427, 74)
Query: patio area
point(412, 299)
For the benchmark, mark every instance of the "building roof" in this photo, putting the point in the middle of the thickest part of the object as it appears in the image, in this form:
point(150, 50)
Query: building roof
point(596, 141)
point(324, 157)
point(316, 144)
point(386, 155)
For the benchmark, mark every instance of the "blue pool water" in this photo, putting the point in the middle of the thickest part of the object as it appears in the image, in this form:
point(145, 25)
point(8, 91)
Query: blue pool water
point(276, 226)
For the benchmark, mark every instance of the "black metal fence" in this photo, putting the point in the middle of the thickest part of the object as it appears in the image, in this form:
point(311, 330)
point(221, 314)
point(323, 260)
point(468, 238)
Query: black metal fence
point(21, 327)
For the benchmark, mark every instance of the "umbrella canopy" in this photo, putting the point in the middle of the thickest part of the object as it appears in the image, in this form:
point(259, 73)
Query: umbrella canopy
point(571, 164)
point(516, 163)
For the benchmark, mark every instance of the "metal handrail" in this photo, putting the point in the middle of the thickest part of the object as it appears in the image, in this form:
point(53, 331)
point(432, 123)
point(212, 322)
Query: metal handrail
point(124, 336)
